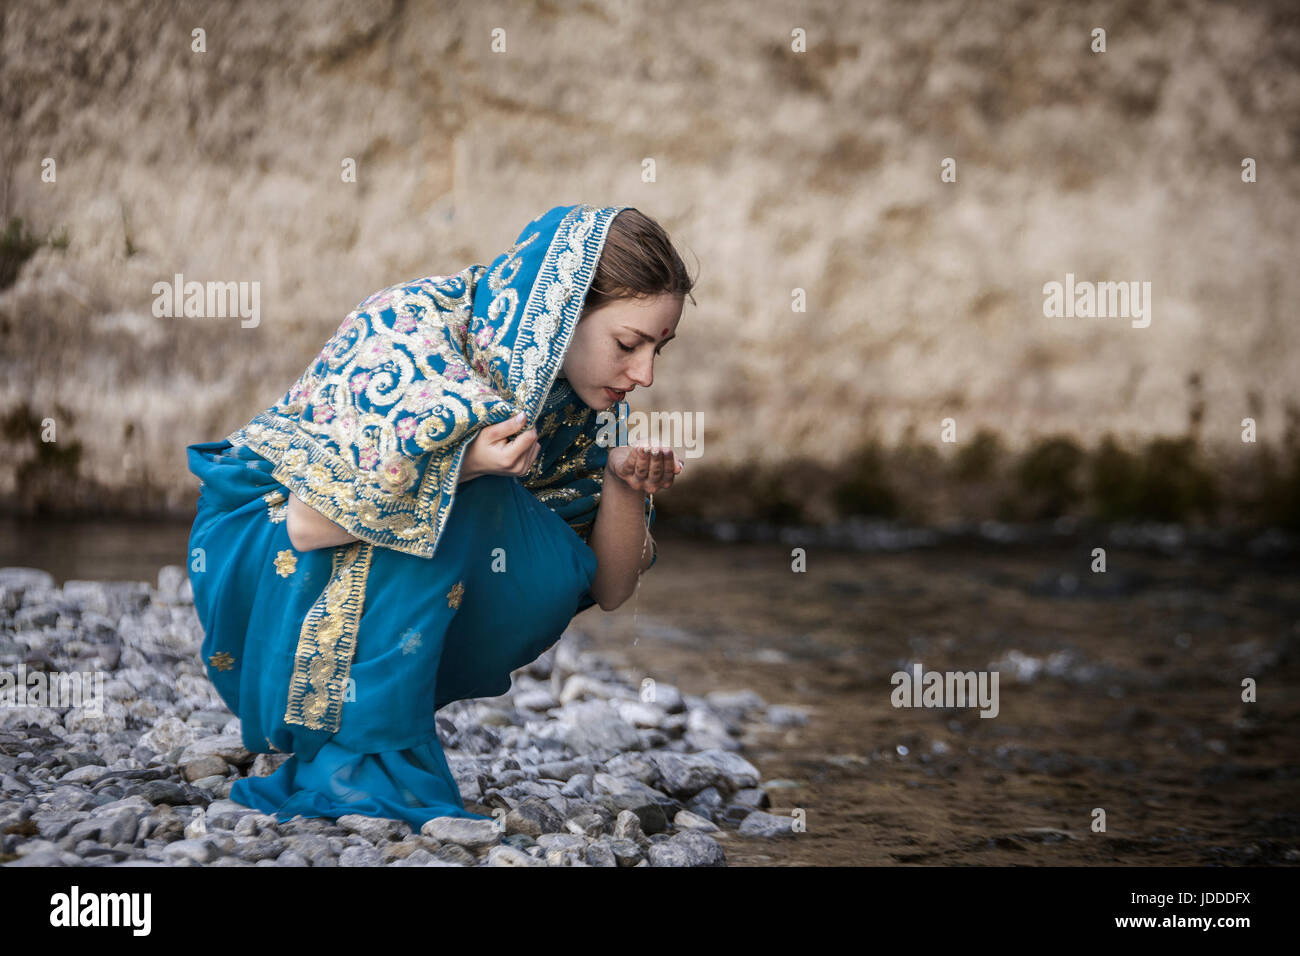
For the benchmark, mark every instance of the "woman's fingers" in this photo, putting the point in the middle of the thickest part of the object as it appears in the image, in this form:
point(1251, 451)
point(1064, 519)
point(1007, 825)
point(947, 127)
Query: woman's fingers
point(522, 448)
point(503, 430)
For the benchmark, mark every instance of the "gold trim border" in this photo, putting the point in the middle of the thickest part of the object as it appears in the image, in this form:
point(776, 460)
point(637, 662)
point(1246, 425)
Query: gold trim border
point(327, 642)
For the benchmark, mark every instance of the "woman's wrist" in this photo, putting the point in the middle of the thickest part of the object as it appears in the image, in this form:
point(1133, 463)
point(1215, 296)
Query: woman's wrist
point(613, 484)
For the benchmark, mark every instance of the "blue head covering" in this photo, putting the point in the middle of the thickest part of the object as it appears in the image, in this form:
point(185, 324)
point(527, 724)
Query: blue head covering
point(373, 433)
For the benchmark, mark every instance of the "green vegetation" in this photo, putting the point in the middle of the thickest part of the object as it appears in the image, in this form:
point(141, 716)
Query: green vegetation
point(1161, 479)
point(17, 245)
point(51, 468)
point(865, 488)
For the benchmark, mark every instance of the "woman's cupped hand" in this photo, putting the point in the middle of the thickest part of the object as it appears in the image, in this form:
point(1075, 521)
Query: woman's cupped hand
point(647, 469)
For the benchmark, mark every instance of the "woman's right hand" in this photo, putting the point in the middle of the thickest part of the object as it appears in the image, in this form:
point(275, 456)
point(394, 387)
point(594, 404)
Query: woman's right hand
point(493, 452)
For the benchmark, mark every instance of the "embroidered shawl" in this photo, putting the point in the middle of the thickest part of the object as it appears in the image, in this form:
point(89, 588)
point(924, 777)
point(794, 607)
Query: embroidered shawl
point(372, 435)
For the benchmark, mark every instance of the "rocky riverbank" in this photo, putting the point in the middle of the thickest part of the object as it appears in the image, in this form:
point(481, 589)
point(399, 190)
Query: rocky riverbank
point(581, 770)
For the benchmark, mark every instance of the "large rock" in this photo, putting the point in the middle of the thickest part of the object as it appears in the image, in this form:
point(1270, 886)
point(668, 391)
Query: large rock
point(470, 834)
point(687, 849)
point(591, 726)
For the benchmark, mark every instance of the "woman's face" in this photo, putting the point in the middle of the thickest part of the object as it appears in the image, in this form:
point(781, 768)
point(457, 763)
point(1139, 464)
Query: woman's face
point(614, 347)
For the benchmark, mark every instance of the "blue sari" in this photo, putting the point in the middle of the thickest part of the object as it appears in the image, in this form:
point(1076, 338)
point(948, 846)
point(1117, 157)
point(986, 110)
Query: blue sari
point(341, 656)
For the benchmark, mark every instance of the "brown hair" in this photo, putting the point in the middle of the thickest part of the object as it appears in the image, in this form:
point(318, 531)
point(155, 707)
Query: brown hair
point(638, 260)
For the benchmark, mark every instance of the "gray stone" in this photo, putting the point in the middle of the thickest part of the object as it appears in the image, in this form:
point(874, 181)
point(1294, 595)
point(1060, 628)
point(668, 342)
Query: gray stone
point(638, 766)
point(754, 797)
point(503, 855)
point(536, 700)
point(35, 618)
point(84, 775)
point(687, 849)
point(560, 841)
point(626, 852)
point(421, 857)
point(628, 827)
point(533, 817)
point(454, 854)
point(685, 820)
point(161, 792)
point(228, 747)
point(783, 716)
point(21, 579)
point(589, 821)
point(54, 825)
point(590, 726)
point(647, 803)
point(361, 856)
point(735, 703)
point(759, 823)
point(313, 847)
point(640, 714)
point(579, 785)
point(260, 848)
point(375, 830)
point(199, 850)
point(470, 834)
point(600, 854)
point(565, 769)
point(198, 768)
point(225, 814)
point(266, 764)
point(669, 698)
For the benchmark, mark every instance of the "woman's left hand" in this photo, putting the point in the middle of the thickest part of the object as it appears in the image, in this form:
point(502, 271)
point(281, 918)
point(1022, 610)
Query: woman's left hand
point(642, 469)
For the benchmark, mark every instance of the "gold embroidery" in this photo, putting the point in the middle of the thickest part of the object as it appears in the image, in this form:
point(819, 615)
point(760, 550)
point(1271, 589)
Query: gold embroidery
point(273, 747)
point(285, 563)
point(277, 506)
point(380, 452)
point(455, 594)
point(323, 660)
point(222, 661)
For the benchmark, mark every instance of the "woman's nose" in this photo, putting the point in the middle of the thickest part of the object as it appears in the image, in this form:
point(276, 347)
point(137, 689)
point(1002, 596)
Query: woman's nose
point(643, 372)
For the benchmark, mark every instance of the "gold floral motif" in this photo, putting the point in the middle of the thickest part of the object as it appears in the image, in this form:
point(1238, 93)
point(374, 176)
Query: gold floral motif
point(285, 563)
point(222, 661)
point(277, 506)
point(327, 642)
point(380, 451)
point(455, 594)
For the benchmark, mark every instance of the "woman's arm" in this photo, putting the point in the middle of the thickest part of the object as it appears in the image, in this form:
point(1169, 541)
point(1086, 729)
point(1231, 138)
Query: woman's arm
point(490, 453)
point(619, 538)
point(309, 529)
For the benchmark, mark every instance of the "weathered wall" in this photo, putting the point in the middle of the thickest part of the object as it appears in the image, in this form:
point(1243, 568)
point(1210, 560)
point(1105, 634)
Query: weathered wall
point(775, 170)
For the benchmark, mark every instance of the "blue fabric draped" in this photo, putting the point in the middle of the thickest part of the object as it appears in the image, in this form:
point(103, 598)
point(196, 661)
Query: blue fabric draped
point(342, 656)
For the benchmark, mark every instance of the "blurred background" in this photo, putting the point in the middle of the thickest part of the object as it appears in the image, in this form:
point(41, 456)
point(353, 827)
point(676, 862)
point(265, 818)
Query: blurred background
point(797, 154)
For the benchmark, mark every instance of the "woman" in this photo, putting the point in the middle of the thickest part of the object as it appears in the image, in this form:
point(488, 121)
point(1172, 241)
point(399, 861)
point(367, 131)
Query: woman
point(428, 506)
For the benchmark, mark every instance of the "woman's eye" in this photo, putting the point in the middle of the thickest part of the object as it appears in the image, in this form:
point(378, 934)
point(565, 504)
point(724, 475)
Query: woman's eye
point(625, 348)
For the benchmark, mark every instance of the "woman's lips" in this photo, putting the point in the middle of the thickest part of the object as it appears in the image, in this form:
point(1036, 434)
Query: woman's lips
point(614, 396)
